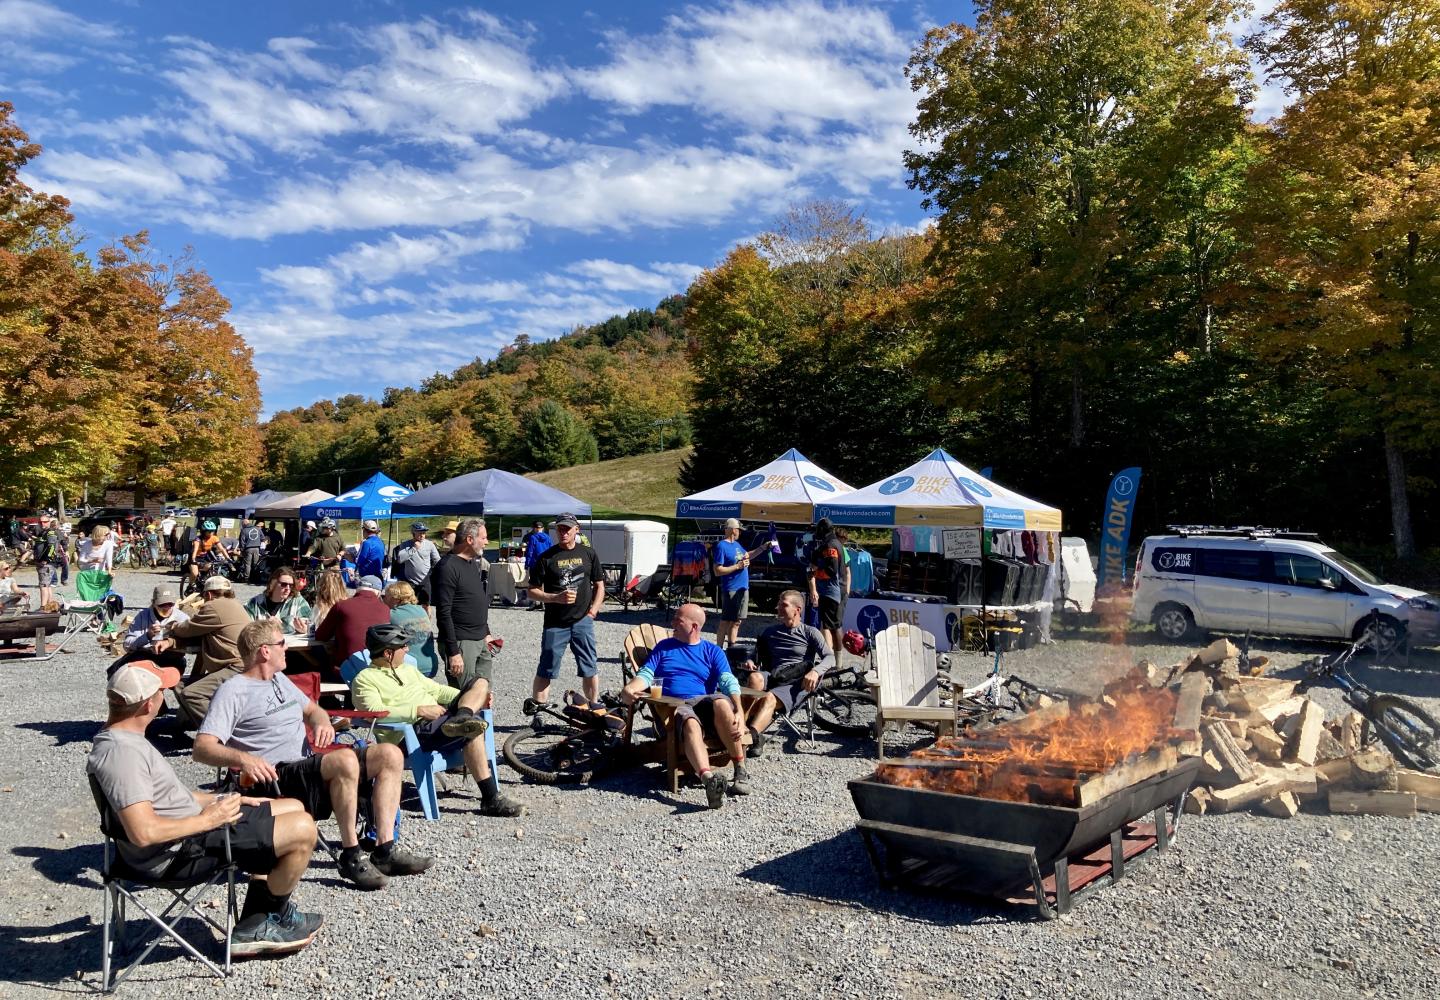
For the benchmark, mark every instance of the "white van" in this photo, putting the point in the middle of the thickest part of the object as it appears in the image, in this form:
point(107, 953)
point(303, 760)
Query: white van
point(1273, 583)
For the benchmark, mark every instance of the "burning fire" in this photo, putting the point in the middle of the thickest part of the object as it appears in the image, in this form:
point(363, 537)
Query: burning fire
point(1013, 763)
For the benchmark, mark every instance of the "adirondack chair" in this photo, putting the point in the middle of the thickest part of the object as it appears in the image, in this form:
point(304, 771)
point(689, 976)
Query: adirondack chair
point(908, 685)
point(638, 644)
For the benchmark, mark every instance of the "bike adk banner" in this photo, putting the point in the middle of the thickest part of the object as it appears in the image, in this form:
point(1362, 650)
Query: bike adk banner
point(1115, 533)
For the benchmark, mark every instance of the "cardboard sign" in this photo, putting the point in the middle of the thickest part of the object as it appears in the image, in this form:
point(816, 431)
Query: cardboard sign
point(961, 543)
point(226, 523)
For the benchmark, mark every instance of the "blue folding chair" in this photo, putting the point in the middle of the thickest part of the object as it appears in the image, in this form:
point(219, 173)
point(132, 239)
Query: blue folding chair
point(424, 766)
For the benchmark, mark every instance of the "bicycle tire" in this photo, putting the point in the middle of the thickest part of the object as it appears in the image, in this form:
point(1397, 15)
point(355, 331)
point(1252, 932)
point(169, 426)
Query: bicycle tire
point(845, 712)
point(1409, 732)
point(545, 755)
point(137, 559)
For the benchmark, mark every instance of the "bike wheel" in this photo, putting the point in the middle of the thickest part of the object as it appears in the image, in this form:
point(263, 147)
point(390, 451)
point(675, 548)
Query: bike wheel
point(137, 559)
point(1409, 732)
point(554, 755)
point(844, 712)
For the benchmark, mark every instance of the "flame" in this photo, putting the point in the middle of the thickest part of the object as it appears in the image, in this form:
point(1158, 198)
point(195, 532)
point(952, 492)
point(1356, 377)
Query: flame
point(1046, 765)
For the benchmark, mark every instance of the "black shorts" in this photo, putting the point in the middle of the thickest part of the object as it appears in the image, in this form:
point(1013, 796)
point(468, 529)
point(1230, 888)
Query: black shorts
point(252, 846)
point(790, 693)
point(831, 613)
point(300, 779)
point(702, 710)
point(432, 740)
point(422, 593)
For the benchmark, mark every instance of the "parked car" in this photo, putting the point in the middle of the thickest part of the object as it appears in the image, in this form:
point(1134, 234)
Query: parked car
point(124, 516)
point(1270, 582)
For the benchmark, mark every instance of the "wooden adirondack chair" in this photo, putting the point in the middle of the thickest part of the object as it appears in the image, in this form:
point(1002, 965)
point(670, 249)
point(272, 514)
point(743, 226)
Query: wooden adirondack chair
point(908, 685)
point(638, 644)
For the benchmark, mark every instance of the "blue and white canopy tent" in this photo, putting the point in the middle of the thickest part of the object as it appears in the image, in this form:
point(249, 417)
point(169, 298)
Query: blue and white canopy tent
point(786, 491)
point(939, 491)
point(372, 499)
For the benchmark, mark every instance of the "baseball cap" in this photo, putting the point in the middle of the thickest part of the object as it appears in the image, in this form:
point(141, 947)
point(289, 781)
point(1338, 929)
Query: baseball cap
point(569, 519)
point(731, 522)
point(371, 583)
point(310, 525)
point(140, 679)
point(419, 526)
point(217, 583)
point(371, 526)
point(163, 594)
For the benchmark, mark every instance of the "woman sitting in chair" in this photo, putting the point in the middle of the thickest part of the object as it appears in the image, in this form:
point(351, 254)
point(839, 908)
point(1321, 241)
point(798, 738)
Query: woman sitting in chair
point(406, 612)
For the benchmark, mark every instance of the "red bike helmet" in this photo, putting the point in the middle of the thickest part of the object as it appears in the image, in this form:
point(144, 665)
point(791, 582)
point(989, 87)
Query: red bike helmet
point(855, 642)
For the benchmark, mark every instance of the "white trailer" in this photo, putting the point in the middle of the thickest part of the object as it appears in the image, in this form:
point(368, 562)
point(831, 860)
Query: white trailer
point(640, 546)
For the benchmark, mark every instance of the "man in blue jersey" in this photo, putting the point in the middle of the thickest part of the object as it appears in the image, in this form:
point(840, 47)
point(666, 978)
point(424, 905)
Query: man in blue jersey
point(695, 669)
point(371, 559)
point(732, 567)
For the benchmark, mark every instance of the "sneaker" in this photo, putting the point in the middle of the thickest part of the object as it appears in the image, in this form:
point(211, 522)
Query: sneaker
point(292, 917)
point(501, 806)
point(714, 783)
point(740, 784)
point(359, 870)
point(270, 936)
point(757, 742)
point(464, 726)
point(402, 862)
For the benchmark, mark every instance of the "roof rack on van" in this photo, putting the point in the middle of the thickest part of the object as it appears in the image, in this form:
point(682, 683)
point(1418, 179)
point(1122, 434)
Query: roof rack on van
point(1187, 530)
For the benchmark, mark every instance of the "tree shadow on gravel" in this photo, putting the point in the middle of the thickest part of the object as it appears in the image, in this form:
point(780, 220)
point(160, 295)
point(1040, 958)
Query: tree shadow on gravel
point(64, 733)
point(838, 871)
point(67, 866)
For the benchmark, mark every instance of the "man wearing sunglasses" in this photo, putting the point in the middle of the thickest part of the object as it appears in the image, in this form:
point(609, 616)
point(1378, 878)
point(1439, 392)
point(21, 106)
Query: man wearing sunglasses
point(569, 581)
point(261, 725)
point(281, 600)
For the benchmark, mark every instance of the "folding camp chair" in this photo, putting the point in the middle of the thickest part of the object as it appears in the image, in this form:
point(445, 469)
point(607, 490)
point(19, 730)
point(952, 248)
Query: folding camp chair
point(95, 606)
point(123, 885)
point(738, 653)
point(907, 675)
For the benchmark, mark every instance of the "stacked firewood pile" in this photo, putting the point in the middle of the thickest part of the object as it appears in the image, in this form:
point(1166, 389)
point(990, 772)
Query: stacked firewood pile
point(1265, 746)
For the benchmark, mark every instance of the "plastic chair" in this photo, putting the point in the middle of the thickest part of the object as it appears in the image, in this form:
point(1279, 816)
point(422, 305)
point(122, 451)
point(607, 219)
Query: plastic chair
point(424, 766)
point(95, 606)
point(123, 884)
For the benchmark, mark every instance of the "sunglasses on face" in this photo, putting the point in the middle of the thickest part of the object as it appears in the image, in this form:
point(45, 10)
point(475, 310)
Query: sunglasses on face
point(284, 583)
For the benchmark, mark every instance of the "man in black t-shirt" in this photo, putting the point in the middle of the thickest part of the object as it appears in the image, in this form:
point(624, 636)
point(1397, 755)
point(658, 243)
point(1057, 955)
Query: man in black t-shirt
point(568, 580)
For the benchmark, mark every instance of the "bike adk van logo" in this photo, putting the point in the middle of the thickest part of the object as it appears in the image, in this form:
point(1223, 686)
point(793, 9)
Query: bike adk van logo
point(1173, 560)
point(819, 484)
point(1124, 486)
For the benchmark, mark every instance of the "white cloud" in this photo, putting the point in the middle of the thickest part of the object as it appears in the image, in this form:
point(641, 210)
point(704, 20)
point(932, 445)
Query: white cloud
point(396, 254)
point(1270, 99)
point(660, 279)
point(34, 19)
point(116, 182)
point(794, 65)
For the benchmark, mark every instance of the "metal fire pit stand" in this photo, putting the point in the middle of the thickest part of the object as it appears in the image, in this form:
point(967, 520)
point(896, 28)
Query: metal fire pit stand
point(908, 854)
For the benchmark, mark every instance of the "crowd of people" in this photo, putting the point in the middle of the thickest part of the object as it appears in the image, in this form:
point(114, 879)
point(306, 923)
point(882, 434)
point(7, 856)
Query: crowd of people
point(279, 746)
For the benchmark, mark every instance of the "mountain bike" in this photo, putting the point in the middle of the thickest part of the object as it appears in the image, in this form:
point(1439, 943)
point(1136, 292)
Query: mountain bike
point(997, 698)
point(572, 743)
point(1411, 734)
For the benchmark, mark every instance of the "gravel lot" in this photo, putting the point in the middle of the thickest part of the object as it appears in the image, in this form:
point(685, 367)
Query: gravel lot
point(624, 890)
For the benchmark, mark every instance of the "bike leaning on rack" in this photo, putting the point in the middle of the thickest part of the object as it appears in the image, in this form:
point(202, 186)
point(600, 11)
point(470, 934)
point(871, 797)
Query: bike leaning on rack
point(1410, 733)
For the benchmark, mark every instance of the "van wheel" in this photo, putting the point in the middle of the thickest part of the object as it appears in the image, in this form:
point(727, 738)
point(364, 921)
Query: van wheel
point(1389, 633)
point(1174, 621)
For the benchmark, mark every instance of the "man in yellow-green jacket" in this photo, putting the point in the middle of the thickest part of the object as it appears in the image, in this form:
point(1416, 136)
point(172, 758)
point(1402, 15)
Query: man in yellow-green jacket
point(444, 717)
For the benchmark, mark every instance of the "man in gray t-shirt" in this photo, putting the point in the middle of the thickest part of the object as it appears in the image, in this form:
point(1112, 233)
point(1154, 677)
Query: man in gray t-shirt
point(413, 562)
point(184, 833)
point(263, 717)
point(791, 657)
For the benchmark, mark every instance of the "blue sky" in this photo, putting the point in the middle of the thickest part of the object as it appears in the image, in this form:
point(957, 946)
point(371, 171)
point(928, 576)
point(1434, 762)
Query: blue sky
point(386, 190)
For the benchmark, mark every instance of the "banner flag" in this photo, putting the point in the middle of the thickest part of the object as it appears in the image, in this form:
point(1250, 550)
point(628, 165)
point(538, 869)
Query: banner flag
point(1115, 530)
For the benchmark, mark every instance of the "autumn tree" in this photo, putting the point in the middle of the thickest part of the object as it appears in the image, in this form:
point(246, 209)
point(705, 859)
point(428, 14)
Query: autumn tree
point(1346, 210)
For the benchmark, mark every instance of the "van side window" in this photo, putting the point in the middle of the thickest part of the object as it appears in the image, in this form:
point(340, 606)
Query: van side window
point(1306, 571)
point(1235, 564)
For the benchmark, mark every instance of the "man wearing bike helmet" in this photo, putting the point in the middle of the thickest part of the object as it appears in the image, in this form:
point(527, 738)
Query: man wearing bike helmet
point(327, 548)
point(207, 551)
point(444, 717)
point(790, 659)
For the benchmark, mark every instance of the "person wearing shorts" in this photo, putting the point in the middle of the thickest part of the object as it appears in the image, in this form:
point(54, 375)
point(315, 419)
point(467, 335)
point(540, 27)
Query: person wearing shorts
point(691, 668)
point(732, 566)
point(790, 659)
point(257, 725)
point(829, 581)
point(184, 832)
point(49, 544)
point(445, 718)
point(568, 581)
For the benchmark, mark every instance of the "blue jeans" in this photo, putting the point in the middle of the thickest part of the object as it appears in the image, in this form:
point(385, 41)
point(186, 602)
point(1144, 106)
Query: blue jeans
point(580, 637)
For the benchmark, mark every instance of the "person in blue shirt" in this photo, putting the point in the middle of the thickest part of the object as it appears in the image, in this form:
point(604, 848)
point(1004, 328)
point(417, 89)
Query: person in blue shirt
point(371, 559)
point(732, 567)
point(695, 670)
point(536, 542)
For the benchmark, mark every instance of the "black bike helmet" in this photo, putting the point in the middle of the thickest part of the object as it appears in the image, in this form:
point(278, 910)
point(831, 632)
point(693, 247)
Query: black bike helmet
point(385, 636)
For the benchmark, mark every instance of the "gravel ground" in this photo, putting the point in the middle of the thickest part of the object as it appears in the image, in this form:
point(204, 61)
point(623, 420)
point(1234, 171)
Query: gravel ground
point(624, 890)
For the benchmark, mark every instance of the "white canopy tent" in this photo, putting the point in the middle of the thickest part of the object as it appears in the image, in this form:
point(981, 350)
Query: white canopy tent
point(786, 490)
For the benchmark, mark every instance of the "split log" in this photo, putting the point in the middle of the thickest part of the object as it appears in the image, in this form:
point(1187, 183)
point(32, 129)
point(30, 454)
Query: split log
point(1281, 709)
point(1334, 772)
point(1425, 786)
point(1306, 741)
point(1193, 689)
point(1300, 779)
point(1212, 772)
point(1147, 765)
point(1254, 693)
point(1267, 743)
point(1329, 747)
point(1197, 801)
point(1228, 752)
point(1351, 726)
point(1282, 806)
point(1238, 727)
point(1373, 770)
point(1373, 803)
point(1266, 786)
point(1216, 652)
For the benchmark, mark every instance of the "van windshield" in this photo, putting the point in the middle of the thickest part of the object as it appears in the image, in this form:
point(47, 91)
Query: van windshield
point(1352, 567)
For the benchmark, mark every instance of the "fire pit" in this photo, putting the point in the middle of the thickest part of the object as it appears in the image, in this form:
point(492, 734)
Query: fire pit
point(1024, 807)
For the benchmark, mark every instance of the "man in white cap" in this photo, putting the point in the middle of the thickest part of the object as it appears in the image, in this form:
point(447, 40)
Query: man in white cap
point(148, 637)
point(370, 560)
point(175, 833)
point(732, 566)
point(217, 624)
point(414, 561)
